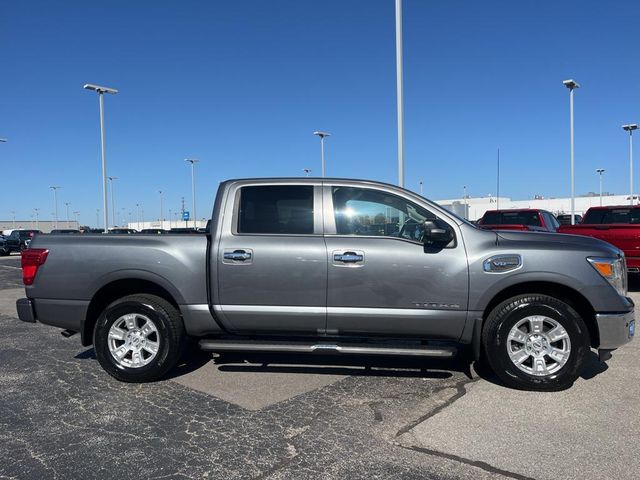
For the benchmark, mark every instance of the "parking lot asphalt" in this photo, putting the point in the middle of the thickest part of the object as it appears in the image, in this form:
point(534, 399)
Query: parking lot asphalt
point(284, 416)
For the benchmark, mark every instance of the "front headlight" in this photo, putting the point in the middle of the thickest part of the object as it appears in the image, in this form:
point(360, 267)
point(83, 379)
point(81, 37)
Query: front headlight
point(614, 270)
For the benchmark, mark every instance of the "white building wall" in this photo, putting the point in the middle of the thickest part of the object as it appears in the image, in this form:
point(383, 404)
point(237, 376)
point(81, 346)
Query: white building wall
point(166, 224)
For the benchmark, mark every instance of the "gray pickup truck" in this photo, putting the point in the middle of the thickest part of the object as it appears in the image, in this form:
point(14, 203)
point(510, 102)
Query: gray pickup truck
point(334, 266)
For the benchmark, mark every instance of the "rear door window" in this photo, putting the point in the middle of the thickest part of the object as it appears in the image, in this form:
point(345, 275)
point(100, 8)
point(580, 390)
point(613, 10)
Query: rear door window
point(276, 209)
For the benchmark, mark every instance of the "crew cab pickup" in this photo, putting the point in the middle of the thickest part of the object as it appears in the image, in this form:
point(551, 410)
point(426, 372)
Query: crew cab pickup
point(620, 226)
point(18, 240)
point(334, 266)
point(526, 219)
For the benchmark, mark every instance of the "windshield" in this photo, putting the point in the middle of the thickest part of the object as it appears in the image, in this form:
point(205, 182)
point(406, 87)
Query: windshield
point(612, 215)
point(511, 218)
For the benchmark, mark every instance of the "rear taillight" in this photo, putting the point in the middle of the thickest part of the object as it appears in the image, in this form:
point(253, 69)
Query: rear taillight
point(32, 258)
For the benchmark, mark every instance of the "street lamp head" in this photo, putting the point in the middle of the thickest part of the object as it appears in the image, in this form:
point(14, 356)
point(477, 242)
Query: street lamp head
point(54, 187)
point(3, 140)
point(630, 127)
point(191, 160)
point(571, 84)
point(100, 89)
point(321, 134)
point(113, 178)
point(600, 170)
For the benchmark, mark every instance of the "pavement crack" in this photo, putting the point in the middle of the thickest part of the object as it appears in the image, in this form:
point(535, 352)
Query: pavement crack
point(292, 454)
point(474, 463)
point(461, 390)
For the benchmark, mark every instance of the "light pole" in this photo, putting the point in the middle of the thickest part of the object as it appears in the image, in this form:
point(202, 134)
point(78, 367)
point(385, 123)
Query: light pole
point(630, 128)
point(322, 136)
point(101, 91)
point(138, 214)
point(77, 214)
point(66, 204)
point(97, 218)
point(399, 93)
point(113, 200)
point(123, 217)
point(421, 189)
point(13, 216)
point(37, 224)
point(193, 188)
point(55, 202)
point(170, 224)
point(161, 209)
point(307, 171)
point(600, 171)
point(571, 85)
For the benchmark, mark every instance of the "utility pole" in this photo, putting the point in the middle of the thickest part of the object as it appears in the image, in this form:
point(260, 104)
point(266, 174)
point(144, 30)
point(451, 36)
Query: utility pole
point(399, 92)
point(193, 188)
point(55, 201)
point(161, 208)
point(185, 222)
point(100, 90)
point(66, 204)
point(571, 85)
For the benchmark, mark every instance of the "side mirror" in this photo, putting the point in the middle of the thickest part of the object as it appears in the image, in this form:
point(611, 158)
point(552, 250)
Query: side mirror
point(437, 237)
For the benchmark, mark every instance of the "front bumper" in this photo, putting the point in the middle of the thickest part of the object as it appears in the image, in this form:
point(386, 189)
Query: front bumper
point(615, 329)
point(25, 309)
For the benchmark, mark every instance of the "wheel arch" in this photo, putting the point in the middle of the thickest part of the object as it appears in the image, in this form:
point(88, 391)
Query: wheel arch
point(115, 290)
point(570, 296)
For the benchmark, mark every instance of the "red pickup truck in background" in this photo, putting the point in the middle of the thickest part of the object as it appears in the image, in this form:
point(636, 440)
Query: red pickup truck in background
point(521, 219)
point(620, 226)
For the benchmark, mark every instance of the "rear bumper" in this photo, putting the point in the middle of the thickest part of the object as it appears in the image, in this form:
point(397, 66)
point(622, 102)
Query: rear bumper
point(26, 313)
point(615, 329)
point(67, 314)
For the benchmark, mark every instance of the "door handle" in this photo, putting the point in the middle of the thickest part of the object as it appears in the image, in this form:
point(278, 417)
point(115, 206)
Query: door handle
point(348, 257)
point(238, 255)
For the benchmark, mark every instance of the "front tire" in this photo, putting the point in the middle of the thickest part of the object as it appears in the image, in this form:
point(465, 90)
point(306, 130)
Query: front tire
point(535, 342)
point(139, 338)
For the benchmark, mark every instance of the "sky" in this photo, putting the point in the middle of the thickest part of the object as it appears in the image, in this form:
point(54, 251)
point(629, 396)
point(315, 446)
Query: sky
point(241, 86)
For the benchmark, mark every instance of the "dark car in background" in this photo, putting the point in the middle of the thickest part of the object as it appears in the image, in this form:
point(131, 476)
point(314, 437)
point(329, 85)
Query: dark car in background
point(565, 219)
point(122, 231)
point(3, 248)
point(18, 240)
point(154, 231)
point(64, 231)
point(183, 230)
point(525, 219)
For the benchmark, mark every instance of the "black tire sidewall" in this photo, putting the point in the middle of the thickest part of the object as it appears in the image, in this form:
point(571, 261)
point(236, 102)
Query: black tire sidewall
point(158, 316)
point(511, 312)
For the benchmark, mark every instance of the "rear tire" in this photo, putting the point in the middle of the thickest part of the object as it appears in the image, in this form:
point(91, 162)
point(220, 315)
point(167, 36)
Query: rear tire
point(535, 342)
point(139, 338)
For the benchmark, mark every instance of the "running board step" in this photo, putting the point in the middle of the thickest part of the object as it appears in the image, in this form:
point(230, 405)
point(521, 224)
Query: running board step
point(326, 348)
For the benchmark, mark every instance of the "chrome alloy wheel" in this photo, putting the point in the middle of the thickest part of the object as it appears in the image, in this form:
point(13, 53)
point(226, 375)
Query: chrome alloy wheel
point(538, 345)
point(133, 340)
